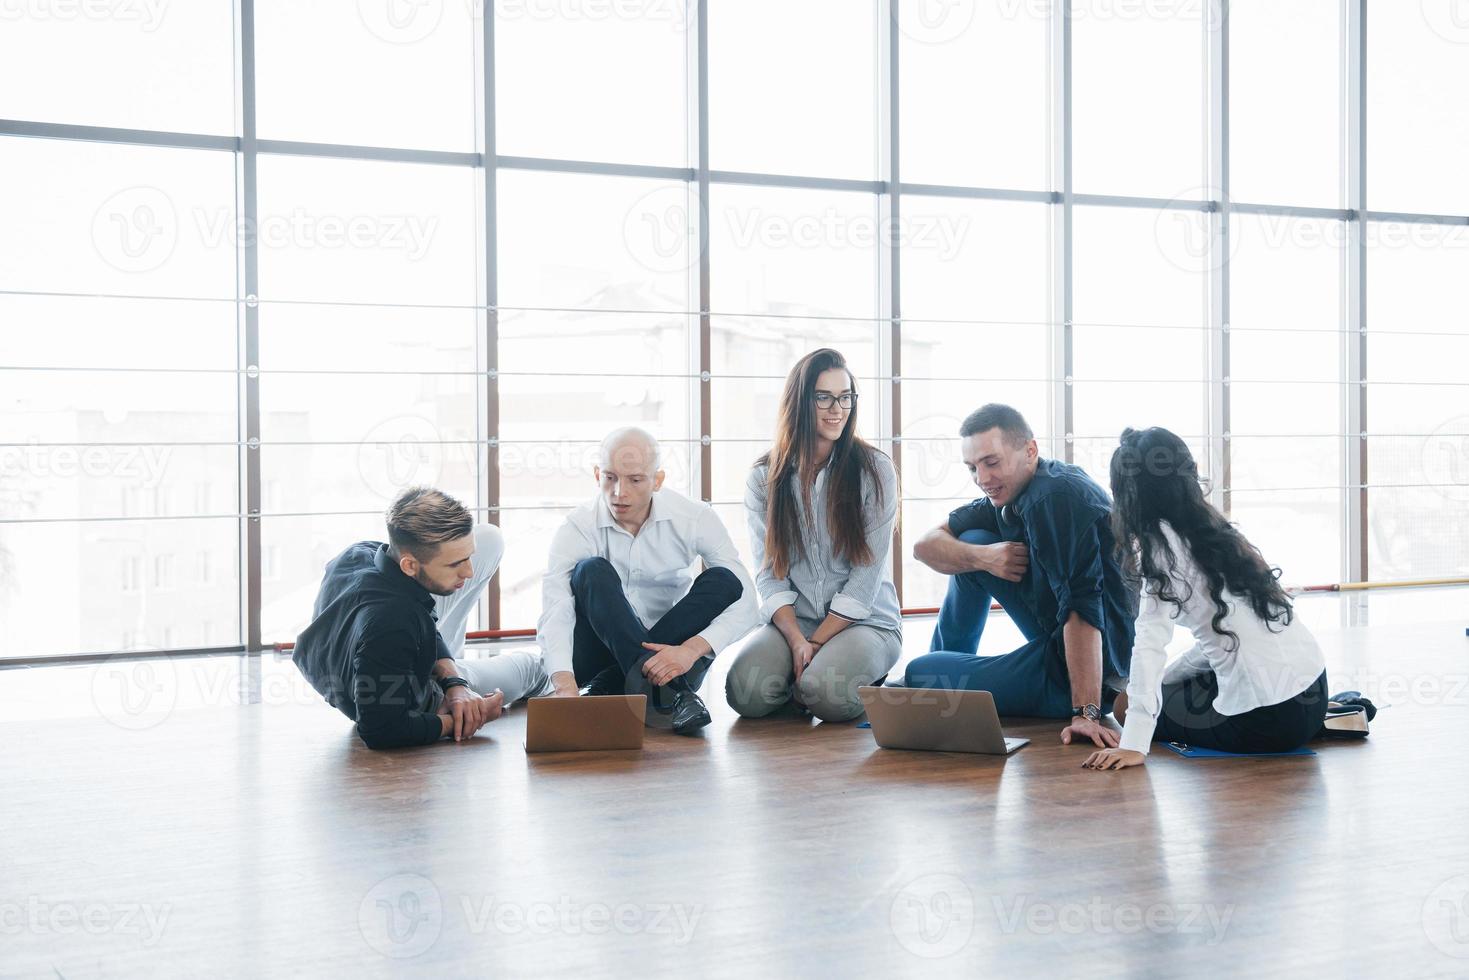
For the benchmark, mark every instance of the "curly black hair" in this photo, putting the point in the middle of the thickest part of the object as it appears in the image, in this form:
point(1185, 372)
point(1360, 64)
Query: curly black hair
point(1154, 479)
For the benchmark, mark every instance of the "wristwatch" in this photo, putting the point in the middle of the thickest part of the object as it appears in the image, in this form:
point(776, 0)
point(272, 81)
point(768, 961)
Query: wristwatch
point(1089, 711)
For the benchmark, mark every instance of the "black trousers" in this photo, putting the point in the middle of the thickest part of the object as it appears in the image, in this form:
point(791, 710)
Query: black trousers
point(609, 633)
point(1187, 715)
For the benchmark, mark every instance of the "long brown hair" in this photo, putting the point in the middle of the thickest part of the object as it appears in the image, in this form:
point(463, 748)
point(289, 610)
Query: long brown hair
point(791, 464)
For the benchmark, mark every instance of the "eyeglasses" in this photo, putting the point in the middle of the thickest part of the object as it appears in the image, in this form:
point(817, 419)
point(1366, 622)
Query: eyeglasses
point(846, 399)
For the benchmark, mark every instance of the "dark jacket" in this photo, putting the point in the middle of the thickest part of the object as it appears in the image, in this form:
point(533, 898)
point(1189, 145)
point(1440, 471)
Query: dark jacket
point(371, 647)
point(1064, 519)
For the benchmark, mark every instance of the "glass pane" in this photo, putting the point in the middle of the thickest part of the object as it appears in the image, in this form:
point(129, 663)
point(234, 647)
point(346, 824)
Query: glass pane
point(1286, 461)
point(746, 408)
point(1138, 266)
point(1285, 102)
point(1416, 275)
point(92, 479)
point(560, 474)
point(294, 551)
point(1406, 536)
point(356, 407)
point(128, 585)
point(85, 331)
point(1299, 532)
point(985, 261)
point(559, 408)
point(1418, 137)
point(366, 231)
point(575, 241)
point(529, 533)
point(934, 408)
point(132, 220)
point(1285, 273)
point(924, 588)
point(319, 336)
point(774, 68)
point(994, 60)
point(591, 81)
point(794, 251)
point(1134, 132)
point(374, 74)
point(135, 407)
point(153, 65)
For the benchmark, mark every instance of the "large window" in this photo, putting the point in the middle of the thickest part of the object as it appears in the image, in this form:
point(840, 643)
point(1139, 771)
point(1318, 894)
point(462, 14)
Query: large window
point(243, 303)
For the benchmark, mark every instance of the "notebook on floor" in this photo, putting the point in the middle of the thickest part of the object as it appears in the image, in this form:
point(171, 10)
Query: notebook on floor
point(1194, 752)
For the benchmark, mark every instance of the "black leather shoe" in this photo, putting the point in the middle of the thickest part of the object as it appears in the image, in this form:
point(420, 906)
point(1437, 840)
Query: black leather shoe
point(689, 714)
point(607, 681)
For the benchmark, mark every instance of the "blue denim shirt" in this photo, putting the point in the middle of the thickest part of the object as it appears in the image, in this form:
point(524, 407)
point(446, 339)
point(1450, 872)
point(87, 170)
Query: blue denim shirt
point(1064, 518)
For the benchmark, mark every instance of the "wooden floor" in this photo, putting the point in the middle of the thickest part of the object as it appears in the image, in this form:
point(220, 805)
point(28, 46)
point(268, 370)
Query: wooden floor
point(208, 836)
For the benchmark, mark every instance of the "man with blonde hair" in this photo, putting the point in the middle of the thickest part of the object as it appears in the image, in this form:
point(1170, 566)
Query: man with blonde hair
point(384, 643)
point(622, 610)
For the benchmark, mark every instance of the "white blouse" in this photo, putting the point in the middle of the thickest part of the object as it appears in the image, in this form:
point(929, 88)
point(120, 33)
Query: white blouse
point(1271, 663)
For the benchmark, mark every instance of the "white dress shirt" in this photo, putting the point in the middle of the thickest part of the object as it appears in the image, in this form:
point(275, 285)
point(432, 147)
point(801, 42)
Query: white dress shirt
point(821, 581)
point(1272, 663)
point(656, 569)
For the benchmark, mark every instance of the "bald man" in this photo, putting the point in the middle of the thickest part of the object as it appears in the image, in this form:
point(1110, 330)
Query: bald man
point(623, 611)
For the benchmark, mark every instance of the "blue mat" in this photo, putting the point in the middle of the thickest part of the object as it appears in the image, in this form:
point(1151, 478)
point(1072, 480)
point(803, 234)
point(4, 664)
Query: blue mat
point(1194, 752)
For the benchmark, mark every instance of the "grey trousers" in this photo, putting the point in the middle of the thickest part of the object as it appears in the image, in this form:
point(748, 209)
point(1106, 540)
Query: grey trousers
point(762, 678)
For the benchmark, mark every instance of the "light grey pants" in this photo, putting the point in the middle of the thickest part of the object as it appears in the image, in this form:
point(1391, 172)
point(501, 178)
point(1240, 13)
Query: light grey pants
point(518, 674)
point(762, 678)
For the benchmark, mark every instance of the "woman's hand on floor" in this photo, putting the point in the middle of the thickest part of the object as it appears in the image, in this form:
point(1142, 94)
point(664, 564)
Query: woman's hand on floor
point(1113, 759)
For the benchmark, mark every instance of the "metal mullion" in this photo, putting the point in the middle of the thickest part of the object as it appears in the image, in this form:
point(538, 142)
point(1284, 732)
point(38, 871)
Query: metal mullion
point(1061, 299)
point(490, 283)
point(1354, 337)
point(1217, 361)
point(701, 217)
point(889, 260)
point(351, 151)
point(112, 134)
point(249, 258)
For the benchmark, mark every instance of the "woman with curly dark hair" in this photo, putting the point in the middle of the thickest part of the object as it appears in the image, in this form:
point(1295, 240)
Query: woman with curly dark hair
point(1255, 679)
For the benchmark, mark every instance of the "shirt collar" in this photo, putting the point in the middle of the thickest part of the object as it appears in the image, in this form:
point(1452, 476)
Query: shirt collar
point(1021, 502)
point(395, 579)
point(658, 512)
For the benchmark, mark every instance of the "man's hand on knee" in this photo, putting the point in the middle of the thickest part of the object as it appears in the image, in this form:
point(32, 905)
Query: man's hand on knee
point(1009, 560)
point(668, 661)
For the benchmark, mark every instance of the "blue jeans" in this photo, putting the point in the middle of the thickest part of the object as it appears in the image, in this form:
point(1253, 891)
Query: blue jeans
point(1031, 680)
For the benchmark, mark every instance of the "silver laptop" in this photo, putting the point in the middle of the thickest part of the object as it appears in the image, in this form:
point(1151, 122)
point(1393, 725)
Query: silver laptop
point(585, 724)
point(936, 720)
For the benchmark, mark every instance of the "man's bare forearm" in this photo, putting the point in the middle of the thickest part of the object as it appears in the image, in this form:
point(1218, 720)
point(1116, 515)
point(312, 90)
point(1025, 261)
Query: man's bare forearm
point(1083, 643)
point(944, 553)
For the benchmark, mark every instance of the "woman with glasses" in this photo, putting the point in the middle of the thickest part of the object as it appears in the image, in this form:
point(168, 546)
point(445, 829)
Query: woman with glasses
point(821, 505)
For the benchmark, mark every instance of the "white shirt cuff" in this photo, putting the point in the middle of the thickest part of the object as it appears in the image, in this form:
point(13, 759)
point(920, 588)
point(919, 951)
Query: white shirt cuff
point(848, 608)
point(1137, 731)
point(774, 601)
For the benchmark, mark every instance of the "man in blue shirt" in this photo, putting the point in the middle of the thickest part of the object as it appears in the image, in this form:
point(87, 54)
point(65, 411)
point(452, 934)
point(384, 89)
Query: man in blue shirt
point(1040, 543)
